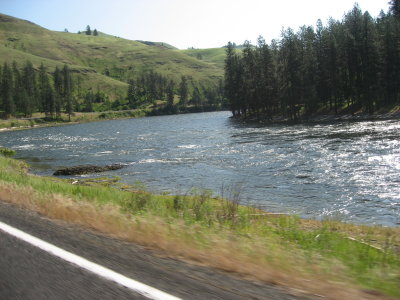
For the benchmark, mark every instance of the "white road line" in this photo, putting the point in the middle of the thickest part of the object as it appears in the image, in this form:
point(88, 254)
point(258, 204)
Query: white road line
point(134, 285)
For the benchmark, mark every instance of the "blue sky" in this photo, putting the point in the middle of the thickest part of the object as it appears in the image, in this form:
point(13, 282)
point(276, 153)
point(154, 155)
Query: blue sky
point(184, 23)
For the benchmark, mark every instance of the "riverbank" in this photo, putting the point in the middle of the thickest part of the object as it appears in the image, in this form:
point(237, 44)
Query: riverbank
point(321, 117)
point(326, 116)
point(39, 120)
point(338, 260)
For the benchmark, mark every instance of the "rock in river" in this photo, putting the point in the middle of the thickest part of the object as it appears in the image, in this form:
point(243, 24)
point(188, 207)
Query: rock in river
point(86, 169)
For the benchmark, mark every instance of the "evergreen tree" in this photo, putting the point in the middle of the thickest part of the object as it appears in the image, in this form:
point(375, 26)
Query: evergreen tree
point(88, 30)
point(67, 91)
point(395, 8)
point(46, 93)
point(28, 102)
point(389, 33)
point(333, 66)
point(370, 64)
point(58, 91)
point(356, 60)
point(95, 33)
point(183, 92)
point(353, 23)
point(290, 73)
point(233, 80)
point(88, 101)
point(196, 97)
point(42, 89)
point(322, 46)
point(18, 89)
point(132, 96)
point(170, 93)
point(250, 73)
point(308, 69)
point(7, 99)
point(266, 78)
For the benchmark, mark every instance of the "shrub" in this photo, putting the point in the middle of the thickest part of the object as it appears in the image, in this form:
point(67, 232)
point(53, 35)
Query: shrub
point(7, 152)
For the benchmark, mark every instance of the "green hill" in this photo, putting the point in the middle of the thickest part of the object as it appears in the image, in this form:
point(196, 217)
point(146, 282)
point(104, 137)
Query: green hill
point(215, 56)
point(101, 62)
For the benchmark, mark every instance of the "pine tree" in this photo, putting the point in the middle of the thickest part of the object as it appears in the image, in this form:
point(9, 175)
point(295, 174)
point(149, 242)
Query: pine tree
point(67, 91)
point(370, 64)
point(42, 89)
point(58, 91)
point(395, 8)
point(196, 97)
point(250, 73)
point(233, 79)
point(88, 102)
point(170, 93)
point(88, 30)
point(390, 56)
point(95, 33)
point(183, 92)
point(354, 42)
point(28, 102)
point(266, 79)
point(7, 99)
point(308, 69)
point(46, 93)
point(18, 89)
point(132, 96)
point(290, 73)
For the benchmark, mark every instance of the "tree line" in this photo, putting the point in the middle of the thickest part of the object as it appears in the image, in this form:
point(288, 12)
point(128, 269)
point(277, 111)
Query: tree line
point(88, 31)
point(353, 63)
point(178, 96)
point(25, 91)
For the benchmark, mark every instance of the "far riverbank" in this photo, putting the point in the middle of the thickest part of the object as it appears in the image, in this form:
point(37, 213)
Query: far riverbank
point(325, 116)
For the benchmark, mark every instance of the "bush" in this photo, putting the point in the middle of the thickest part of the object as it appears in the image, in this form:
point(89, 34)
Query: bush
point(7, 152)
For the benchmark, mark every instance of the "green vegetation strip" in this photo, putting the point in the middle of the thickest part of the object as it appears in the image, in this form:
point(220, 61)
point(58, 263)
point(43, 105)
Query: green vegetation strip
point(357, 256)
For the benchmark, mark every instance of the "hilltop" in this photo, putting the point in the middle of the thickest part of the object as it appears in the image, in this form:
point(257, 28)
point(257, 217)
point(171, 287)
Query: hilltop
point(101, 62)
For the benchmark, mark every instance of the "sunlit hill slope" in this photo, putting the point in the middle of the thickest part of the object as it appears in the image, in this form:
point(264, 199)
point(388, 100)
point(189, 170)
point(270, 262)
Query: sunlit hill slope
point(101, 62)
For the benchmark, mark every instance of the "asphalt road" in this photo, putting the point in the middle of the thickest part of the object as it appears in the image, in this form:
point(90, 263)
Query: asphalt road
point(27, 272)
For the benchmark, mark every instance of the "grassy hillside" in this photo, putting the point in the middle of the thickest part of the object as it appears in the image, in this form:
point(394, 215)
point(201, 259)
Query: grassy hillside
point(215, 56)
point(105, 62)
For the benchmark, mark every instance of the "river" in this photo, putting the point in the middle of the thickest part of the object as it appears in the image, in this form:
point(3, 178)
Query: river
point(344, 170)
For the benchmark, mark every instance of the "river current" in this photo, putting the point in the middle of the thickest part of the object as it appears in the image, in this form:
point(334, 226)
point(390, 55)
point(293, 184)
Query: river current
point(344, 170)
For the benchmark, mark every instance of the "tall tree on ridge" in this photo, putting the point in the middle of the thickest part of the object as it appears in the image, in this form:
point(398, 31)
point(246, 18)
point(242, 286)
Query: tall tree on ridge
point(88, 30)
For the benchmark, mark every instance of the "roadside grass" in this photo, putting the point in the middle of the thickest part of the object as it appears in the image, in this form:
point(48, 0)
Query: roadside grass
point(337, 260)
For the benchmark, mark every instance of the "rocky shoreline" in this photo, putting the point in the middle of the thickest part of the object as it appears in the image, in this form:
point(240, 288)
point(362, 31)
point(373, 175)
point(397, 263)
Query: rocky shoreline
point(86, 169)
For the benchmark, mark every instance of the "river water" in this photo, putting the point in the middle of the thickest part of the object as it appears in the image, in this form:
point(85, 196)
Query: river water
point(344, 170)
